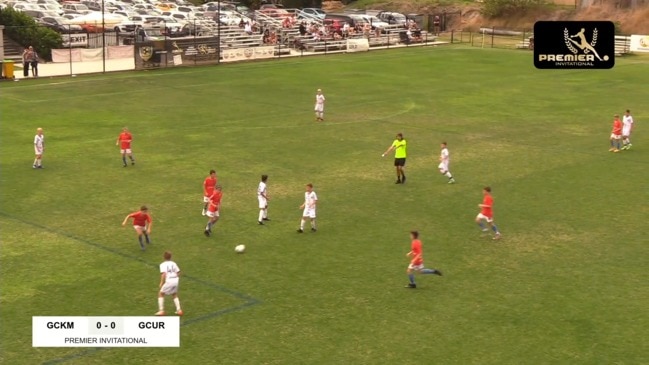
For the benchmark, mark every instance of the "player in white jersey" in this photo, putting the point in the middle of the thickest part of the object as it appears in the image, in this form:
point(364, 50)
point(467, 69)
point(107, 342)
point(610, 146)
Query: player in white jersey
point(444, 160)
point(39, 147)
point(308, 208)
point(262, 198)
point(319, 106)
point(627, 126)
point(169, 273)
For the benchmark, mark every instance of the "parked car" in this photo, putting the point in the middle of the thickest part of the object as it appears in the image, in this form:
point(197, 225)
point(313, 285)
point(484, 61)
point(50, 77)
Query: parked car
point(313, 12)
point(53, 8)
point(126, 26)
point(374, 21)
point(341, 19)
point(37, 14)
point(61, 24)
point(79, 8)
point(25, 6)
point(271, 6)
point(150, 34)
point(392, 17)
point(275, 13)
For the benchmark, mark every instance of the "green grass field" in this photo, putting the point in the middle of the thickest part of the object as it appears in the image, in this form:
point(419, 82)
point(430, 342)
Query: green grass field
point(565, 285)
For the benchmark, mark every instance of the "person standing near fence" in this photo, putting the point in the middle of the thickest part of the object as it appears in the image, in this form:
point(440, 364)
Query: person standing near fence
point(34, 61)
point(26, 61)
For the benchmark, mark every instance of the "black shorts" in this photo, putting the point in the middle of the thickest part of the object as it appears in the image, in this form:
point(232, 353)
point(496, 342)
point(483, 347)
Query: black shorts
point(399, 162)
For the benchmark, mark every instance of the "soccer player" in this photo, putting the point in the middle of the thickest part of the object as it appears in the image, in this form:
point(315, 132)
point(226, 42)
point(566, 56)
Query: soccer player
point(262, 197)
point(308, 208)
point(124, 140)
point(443, 163)
point(141, 223)
point(399, 147)
point(169, 273)
point(616, 134)
point(213, 209)
point(319, 106)
point(627, 126)
point(208, 189)
point(416, 255)
point(39, 147)
point(486, 213)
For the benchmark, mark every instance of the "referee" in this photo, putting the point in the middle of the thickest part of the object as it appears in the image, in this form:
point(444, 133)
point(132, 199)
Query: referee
point(399, 147)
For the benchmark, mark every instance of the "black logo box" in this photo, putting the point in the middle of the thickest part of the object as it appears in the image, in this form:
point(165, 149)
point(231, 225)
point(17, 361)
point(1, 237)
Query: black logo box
point(559, 45)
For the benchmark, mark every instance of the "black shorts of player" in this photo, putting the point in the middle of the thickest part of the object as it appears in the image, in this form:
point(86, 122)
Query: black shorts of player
point(399, 162)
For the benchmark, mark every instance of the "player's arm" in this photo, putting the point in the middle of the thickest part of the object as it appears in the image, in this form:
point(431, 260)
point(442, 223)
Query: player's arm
point(163, 277)
point(409, 254)
point(126, 219)
point(149, 223)
point(388, 150)
point(484, 205)
point(313, 204)
point(204, 187)
point(117, 142)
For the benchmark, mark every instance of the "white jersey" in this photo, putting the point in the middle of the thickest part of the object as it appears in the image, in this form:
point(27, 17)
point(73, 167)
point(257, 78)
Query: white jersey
point(444, 156)
point(39, 142)
point(261, 190)
point(627, 122)
point(310, 200)
point(171, 269)
point(319, 99)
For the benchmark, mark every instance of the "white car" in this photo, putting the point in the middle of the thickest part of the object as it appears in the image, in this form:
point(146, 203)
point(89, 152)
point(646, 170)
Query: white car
point(26, 6)
point(375, 22)
point(233, 19)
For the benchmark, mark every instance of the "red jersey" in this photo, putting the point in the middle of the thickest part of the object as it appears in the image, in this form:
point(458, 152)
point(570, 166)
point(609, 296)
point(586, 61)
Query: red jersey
point(208, 185)
point(617, 127)
point(488, 210)
point(418, 255)
point(215, 201)
point(140, 219)
point(125, 139)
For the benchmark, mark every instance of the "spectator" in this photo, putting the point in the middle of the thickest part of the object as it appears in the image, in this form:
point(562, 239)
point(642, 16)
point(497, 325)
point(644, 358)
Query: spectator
point(242, 24)
point(26, 61)
point(248, 28)
point(345, 29)
point(273, 38)
point(302, 29)
point(367, 29)
point(286, 23)
point(34, 62)
point(266, 37)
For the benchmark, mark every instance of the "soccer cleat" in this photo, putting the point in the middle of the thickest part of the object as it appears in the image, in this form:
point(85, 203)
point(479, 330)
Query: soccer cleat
point(34, 166)
point(179, 312)
point(207, 233)
point(260, 223)
point(39, 166)
point(403, 181)
point(628, 147)
point(266, 219)
point(611, 149)
point(398, 181)
point(204, 212)
point(300, 230)
point(496, 237)
point(485, 230)
point(160, 313)
point(132, 162)
point(411, 286)
point(313, 230)
point(616, 150)
point(451, 181)
point(437, 272)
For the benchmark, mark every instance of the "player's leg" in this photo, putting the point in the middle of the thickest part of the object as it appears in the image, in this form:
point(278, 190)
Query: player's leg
point(302, 223)
point(124, 158)
point(37, 159)
point(139, 231)
point(130, 156)
point(479, 219)
point(206, 202)
point(447, 173)
point(612, 140)
point(398, 169)
point(617, 143)
point(265, 216)
point(411, 277)
point(494, 228)
point(145, 232)
point(260, 220)
point(161, 302)
point(179, 310)
point(313, 226)
point(402, 170)
point(431, 271)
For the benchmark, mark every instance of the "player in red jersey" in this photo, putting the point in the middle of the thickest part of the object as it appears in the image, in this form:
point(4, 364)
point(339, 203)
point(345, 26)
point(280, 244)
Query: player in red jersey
point(616, 134)
point(214, 206)
point(208, 189)
point(141, 223)
point(124, 141)
point(486, 213)
point(416, 255)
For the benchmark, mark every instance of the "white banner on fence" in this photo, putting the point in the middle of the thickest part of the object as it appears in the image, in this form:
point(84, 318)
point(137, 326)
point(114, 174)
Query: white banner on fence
point(358, 45)
point(252, 53)
point(639, 43)
point(75, 40)
point(92, 54)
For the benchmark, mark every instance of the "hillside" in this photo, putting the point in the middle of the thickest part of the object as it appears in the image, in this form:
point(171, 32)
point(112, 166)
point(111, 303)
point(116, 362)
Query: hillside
point(630, 21)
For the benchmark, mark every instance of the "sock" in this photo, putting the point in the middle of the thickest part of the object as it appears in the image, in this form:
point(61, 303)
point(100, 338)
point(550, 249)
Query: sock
point(124, 159)
point(205, 208)
point(411, 277)
point(428, 271)
point(39, 162)
point(481, 224)
point(495, 229)
point(617, 144)
point(302, 224)
point(313, 223)
point(261, 215)
point(139, 238)
point(35, 162)
point(448, 174)
point(403, 176)
point(265, 215)
point(612, 143)
point(161, 304)
point(177, 303)
point(132, 158)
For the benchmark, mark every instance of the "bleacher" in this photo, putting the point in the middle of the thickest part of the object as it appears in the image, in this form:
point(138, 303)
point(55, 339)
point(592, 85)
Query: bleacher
point(235, 37)
point(622, 45)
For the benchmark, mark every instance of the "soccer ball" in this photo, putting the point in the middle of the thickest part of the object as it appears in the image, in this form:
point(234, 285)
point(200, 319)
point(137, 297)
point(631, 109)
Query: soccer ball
point(240, 249)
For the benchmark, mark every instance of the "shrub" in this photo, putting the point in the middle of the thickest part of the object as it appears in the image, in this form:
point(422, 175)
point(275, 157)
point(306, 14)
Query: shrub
point(24, 30)
point(495, 8)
